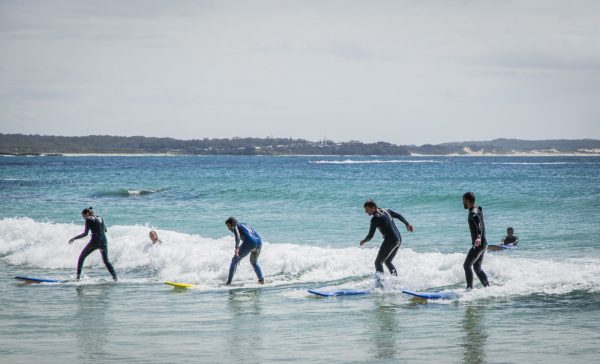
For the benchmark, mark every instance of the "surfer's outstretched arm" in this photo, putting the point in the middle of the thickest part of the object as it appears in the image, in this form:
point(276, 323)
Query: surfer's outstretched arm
point(84, 234)
point(398, 216)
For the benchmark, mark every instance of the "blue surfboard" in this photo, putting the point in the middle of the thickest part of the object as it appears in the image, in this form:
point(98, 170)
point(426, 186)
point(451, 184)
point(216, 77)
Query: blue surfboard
point(38, 280)
point(344, 292)
point(496, 247)
point(432, 295)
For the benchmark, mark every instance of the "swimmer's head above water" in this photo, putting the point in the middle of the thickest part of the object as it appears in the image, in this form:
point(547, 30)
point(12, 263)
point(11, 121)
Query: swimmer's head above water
point(153, 236)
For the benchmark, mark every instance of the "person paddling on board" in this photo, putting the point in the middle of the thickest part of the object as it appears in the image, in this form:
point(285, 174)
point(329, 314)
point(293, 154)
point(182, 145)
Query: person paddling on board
point(383, 219)
point(510, 238)
point(474, 258)
point(251, 244)
point(98, 241)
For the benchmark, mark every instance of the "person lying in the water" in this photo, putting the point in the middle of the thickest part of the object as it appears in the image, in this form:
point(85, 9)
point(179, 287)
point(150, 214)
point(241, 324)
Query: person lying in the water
point(510, 238)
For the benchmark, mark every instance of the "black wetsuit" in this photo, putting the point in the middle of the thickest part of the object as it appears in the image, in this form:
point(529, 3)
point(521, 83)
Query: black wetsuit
point(475, 256)
point(383, 219)
point(95, 224)
point(514, 240)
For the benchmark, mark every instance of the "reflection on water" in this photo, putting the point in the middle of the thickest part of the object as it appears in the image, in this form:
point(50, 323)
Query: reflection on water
point(384, 328)
point(92, 330)
point(473, 341)
point(245, 339)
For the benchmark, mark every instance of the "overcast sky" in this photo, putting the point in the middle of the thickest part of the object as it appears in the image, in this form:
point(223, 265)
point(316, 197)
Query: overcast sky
point(406, 72)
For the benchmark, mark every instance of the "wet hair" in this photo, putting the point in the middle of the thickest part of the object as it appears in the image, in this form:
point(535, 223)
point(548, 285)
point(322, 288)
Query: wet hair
point(231, 221)
point(469, 196)
point(370, 204)
point(510, 229)
point(89, 210)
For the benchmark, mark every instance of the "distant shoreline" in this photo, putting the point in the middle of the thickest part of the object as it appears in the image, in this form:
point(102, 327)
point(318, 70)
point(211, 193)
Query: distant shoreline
point(299, 155)
point(511, 155)
point(106, 145)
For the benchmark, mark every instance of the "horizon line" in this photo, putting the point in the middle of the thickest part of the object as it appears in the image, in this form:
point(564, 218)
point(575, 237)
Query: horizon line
point(292, 138)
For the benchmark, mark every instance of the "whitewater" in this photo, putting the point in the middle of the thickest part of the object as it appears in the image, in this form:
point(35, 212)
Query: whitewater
point(205, 262)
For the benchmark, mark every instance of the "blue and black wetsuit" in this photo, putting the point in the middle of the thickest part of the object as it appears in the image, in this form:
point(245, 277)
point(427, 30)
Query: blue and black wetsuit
point(383, 219)
point(251, 244)
point(95, 224)
point(475, 256)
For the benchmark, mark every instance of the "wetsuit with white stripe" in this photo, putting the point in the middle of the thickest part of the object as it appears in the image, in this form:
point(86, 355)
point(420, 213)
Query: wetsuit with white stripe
point(383, 219)
point(475, 256)
point(95, 224)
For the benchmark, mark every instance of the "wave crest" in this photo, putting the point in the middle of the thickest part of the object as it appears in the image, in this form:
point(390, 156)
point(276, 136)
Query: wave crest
point(127, 192)
point(373, 161)
point(205, 262)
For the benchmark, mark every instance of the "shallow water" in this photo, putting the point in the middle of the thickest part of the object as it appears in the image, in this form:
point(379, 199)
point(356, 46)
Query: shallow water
point(542, 307)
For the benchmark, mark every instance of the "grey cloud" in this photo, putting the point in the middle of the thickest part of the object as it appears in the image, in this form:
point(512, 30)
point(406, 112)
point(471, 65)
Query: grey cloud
point(402, 71)
point(542, 62)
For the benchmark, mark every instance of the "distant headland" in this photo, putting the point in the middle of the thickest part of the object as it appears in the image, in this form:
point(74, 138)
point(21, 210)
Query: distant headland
point(20, 144)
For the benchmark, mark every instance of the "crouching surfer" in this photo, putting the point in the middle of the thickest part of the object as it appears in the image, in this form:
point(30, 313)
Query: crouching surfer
point(383, 219)
point(251, 244)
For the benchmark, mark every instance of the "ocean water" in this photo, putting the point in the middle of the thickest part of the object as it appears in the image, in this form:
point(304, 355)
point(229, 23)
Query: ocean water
point(543, 305)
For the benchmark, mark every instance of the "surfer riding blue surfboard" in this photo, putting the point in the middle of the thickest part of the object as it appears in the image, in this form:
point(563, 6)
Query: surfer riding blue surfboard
point(383, 220)
point(251, 244)
point(474, 258)
point(98, 241)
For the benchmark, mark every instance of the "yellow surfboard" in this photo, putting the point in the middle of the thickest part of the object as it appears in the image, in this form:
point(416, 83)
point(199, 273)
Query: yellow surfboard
point(180, 285)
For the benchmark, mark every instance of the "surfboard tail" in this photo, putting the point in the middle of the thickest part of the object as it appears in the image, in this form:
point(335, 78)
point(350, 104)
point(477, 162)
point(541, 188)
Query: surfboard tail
point(38, 280)
point(432, 295)
point(179, 285)
point(346, 292)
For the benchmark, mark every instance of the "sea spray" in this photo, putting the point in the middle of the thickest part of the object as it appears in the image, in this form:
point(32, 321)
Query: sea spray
point(204, 261)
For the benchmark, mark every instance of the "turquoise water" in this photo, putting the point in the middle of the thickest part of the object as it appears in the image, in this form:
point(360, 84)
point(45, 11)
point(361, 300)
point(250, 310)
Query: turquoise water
point(542, 307)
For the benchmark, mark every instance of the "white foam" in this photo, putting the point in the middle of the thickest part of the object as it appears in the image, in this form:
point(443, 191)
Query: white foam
point(141, 192)
point(373, 161)
point(533, 163)
point(205, 262)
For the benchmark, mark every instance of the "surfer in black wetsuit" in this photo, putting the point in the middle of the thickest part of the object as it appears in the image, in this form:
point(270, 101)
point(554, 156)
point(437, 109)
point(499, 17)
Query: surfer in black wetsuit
point(510, 238)
point(95, 224)
point(479, 243)
point(383, 219)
